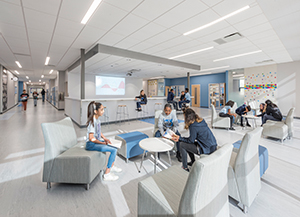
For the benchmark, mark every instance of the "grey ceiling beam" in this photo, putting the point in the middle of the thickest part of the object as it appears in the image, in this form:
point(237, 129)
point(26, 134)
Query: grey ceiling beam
point(145, 57)
point(101, 48)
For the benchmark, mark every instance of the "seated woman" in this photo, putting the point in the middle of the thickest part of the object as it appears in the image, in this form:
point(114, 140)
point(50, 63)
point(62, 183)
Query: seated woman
point(143, 99)
point(272, 112)
point(226, 112)
point(242, 110)
point(200, 141)
point(168, 120)
point(261, 109)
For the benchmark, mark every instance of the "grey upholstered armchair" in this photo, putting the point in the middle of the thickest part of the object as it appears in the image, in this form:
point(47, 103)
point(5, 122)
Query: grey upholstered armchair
point(175, 192)
point(280, 129)
point(244, 171)
point(217, 121)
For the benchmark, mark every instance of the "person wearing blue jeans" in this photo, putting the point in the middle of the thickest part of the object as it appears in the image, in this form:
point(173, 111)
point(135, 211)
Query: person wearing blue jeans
point(143, 99)
point(96, 141)
point(186, 99)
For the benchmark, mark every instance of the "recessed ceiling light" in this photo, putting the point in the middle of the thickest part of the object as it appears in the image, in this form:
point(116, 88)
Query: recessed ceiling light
point(42, 76)
point(233, 72)
point(217, 21)
point(193, 52)
point(27, 77)
point(239, 55)
point(91, 10)
point(17, 72)
point(51, 71)
point(4, 70)
point(221, 67)
point(47, 61)
point(29, 80)
point(17, 62)
point(39, 80)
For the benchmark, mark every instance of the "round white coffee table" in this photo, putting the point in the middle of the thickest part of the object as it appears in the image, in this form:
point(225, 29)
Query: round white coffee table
point(253, 118)
point(156, 145)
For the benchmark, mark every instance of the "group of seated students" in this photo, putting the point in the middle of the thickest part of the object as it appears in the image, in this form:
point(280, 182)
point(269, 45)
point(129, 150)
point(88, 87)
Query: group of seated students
point(200, 141)
point(184, 98)
point(269, 111)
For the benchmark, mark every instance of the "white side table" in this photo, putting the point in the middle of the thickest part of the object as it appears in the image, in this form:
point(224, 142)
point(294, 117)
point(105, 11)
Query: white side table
point(253, 118)
point(156, 145)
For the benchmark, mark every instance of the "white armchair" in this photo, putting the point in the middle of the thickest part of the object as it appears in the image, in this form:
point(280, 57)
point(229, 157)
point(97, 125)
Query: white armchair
point(244, 170)
point(280, 129)
point(217, 121)
point(175, 192)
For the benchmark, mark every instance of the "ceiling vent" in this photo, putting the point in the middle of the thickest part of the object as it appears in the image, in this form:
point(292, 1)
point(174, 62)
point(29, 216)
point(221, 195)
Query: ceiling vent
point(265, 61)
point(229, 38)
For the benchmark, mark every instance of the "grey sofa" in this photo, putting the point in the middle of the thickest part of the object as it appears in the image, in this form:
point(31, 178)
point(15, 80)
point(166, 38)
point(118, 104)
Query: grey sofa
point(175, 192)
point(244, 170)
point(66, 160)
point(280, 129)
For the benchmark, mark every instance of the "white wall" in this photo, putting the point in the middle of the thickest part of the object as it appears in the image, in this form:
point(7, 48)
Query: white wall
point(11, 99)
point(289, 87)
point(74, 85)
point(133, 86)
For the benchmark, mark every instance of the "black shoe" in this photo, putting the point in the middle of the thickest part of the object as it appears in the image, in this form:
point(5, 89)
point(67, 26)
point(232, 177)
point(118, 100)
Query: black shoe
point(178, 156)
point(190, 163)
point(248, 125)
point(231, 128)
point(242, 125)
point(186, 169)
point(139, 110)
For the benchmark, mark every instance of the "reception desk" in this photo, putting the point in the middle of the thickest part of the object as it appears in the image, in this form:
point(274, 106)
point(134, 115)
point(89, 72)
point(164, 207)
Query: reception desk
point(77, 108)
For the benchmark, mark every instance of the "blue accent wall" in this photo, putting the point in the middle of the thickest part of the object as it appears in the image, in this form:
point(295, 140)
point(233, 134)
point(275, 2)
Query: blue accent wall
point(203, 80)
point(20, 89)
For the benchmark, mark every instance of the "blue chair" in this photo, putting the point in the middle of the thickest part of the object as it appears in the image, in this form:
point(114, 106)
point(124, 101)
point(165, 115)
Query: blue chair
point(263, 156)
point(130, 144)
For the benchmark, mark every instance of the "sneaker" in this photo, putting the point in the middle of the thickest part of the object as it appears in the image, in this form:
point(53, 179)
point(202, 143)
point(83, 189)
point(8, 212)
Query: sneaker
point(231, 128)
point(190, 163)
point(110, 177)
point(116, 169)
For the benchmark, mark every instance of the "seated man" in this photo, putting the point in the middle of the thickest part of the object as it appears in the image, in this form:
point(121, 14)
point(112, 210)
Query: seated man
point(226, 112)
point(170, 99)
point(242, 110)
point(168, 120)
point(187, 98)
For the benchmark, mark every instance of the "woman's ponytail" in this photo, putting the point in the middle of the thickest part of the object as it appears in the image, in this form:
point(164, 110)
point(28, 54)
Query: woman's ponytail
point(91, 111)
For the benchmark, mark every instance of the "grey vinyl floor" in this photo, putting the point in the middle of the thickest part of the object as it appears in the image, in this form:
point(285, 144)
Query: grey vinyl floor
point(22, 193)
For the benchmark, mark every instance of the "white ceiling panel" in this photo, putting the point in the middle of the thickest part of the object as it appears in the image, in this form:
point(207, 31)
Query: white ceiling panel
point(20, 50)
point(161, 7)
point(127, 43)
point(124, 5)
point(46, 6)
point(39, 21)
point(148, 31)
point(129, 25)
point(256, 29)
point(218, 34)
point(9, 30)
point(163, 37)
point(11, 14)
point(254, 21)
point(106, 17)
point(247, 14)
point(39, 36)
point(62, 41)
point(192, 7)
point(274, 9)
point(68, 28)
point(25, 61)
point(111, 38)
point(211, 3)
point(75, 10)
point(13, 42)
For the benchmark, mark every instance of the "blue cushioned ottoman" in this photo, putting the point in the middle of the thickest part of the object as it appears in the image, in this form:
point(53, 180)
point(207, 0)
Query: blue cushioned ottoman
point(263, 156)
point(130, 144)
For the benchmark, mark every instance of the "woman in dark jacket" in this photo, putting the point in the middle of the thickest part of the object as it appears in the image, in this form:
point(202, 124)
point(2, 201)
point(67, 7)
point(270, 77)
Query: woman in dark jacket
point(201, 140)
point(143, 99)
point(272, 112)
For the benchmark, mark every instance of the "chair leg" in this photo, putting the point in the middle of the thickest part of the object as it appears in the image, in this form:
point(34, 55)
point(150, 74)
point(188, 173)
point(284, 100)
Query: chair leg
point(87, 187)
point(48, 185)
point(245, 209)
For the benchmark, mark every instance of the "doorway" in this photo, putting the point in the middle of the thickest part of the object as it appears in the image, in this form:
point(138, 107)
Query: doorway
point(196, 94)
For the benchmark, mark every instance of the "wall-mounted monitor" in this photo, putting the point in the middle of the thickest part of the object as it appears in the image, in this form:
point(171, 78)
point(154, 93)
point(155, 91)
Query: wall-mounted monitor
point(110, 86)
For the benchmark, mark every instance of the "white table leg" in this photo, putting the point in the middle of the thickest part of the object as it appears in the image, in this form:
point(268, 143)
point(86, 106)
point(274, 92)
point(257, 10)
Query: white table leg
point(155, 162)
point(169, 158)
point(142, 161)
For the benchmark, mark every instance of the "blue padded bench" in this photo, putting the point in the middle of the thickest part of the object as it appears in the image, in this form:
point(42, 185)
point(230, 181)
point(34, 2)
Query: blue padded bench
point(130, 144)
point(263, 156)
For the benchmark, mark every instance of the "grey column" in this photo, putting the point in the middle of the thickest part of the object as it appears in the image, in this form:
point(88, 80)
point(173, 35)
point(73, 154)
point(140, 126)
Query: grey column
point(188, 81)
point(82, 63)
point(1, 87)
